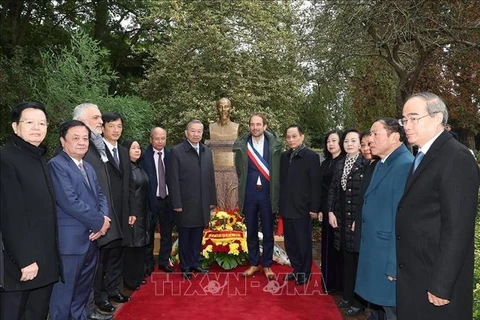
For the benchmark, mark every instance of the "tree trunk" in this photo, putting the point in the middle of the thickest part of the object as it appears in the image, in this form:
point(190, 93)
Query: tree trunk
point(101, 20)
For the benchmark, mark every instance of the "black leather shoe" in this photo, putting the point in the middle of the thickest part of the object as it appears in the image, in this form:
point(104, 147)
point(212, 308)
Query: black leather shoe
point(200, 270)
point(353, 311)
point(290, 277)
point(119, 298)
point(143, 282)
point(187, 275)
point(106, 306)
point(343, 304)
point(166, 269)
point(148, 272)
point(95, 315)
point(302, 278)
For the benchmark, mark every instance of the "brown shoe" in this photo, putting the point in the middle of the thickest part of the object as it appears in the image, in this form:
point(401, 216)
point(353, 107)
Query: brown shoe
point(251, 271)
point(269, 273)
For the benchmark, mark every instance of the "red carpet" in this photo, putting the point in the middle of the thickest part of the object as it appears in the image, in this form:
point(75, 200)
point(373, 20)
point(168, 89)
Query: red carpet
point(227, 295)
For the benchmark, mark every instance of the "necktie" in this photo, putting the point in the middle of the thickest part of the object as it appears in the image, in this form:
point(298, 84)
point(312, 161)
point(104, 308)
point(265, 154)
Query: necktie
point(162, 190)
point(84, 173)
point(418, 159)
point(197, 149)
point(115, 156)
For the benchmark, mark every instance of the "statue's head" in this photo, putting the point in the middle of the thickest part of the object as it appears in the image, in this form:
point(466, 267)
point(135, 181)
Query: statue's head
point(224, 106)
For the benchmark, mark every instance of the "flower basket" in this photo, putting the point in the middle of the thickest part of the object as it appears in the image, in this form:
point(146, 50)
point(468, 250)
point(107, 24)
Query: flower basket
point(225, 241)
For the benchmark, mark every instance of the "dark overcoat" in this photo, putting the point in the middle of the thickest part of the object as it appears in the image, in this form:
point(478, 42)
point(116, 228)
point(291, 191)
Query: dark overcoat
point(367, 177)
point(138, 235)
point(191, 183)
point(2, 270)
point(377, 258)
point(120, 181)
point(346, 212)
point(94, 159)
point(28, 221)
point(435, 233)
point(299, 184)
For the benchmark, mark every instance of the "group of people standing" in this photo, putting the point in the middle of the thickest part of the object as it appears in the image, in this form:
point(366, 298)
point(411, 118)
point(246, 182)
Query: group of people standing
point(399, 235)
point(75, 227)
point(397, 231)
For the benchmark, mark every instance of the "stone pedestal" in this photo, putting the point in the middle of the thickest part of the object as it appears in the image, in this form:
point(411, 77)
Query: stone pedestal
point(225, 176)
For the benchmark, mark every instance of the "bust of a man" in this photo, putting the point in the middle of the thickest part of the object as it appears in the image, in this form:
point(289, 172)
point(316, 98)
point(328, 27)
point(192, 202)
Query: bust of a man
point(223, 129)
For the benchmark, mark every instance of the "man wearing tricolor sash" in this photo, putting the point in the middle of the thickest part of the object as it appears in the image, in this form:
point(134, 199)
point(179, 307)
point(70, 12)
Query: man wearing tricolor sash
point(257, 162)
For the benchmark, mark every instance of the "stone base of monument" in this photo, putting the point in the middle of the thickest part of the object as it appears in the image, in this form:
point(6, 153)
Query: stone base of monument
point(225, 175)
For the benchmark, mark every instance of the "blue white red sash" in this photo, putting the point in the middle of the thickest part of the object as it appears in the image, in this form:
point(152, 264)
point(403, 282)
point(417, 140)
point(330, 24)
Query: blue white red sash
point(258, 161)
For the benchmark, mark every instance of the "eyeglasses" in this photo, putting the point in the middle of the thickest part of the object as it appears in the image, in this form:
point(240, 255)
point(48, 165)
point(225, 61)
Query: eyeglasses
point(413, 120)
point(31, 123)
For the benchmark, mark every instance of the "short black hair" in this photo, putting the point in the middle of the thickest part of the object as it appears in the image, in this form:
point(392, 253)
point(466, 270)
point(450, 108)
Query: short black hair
point(300, 130)
point(127, 143)
point(18, 109)
point(111, 116)
point(344, 135)
point(392, 125)
point(64, 127)
point(364, 134)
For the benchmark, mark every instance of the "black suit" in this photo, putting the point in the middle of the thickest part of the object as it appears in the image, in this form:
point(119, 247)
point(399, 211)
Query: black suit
point(110, 266)
point(161, 208)
point(435, 233)
point(300, 188)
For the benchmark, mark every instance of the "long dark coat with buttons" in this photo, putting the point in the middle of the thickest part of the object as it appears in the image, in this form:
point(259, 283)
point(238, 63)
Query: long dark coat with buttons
point(435, 229)
point(191, 184)
point(345, 212)
point(28, 220)
point(377, 258)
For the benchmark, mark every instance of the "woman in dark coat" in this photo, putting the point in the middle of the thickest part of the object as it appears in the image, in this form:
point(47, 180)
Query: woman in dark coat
point(138, 236)
point(331, 271)
point(343, 198)
point(28, 220)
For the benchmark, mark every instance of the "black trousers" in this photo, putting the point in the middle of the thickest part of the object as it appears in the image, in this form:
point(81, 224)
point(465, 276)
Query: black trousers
point(298, 244)
point(109, 273)
point(133, 266)
point(25, 304)
point(189, 247)
point(350, 263)
point(166, 218)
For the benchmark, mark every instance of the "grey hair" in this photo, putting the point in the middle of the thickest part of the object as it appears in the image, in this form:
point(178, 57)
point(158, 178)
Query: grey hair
point(194, 121)
point(434, 103)
point(80, 109)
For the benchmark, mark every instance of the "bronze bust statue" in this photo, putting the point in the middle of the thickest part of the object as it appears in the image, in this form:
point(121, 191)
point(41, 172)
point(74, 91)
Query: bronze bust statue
point(224, 128)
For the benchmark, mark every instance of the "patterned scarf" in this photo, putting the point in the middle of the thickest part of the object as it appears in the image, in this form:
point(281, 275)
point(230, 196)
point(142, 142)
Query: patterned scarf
point(99, 144)
point(346, 170)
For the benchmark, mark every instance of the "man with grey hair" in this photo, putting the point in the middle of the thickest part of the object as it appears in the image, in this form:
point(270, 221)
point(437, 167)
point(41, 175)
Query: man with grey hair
point(89, 114)
point(191, 183)
point(435, 224)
